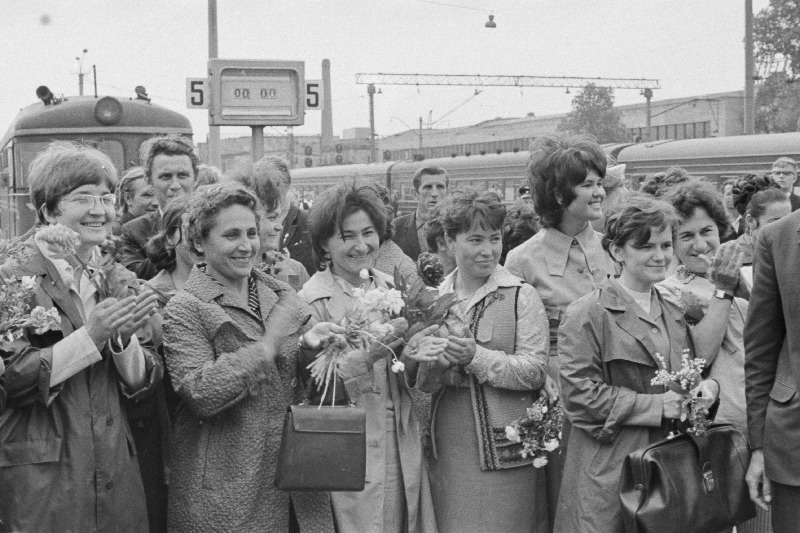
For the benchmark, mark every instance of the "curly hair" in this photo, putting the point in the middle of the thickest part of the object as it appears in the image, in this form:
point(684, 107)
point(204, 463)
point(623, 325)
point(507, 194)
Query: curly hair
point(206, 202)
point(333, 206)
point(746, 197)
point(694, 194)
point(267, 185)
point(557, 165)
point(634, 222)
point(386, 197)
point(434, 230)
point(160, 248)
point(658, 183)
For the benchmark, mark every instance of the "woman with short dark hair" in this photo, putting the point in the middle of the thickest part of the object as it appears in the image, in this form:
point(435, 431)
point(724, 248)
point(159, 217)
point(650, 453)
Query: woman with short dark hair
point(611, 343)
point(493, 361)
point(346, 223)
point(565, 260)
point(231, 340)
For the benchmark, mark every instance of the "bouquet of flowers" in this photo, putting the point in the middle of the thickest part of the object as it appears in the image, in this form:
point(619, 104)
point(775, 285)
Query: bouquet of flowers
point(270, 262)
point(373, 319)
point(109, 277)
point(694, 409)
point(423, 305)
point(539, 431)
point(15, 301)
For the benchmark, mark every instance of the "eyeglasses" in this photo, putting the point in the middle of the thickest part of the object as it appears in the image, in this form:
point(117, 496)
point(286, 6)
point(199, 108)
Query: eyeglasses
point(88, 201)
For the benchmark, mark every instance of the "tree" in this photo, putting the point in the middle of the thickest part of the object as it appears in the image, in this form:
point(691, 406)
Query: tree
point(778, 104)
point(775, 36)
point(593, 113)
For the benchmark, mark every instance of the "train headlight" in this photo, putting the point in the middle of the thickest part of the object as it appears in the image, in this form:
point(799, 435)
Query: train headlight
point(108, 111)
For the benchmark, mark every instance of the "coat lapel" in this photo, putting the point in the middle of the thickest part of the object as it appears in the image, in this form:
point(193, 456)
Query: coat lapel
point(627, 319)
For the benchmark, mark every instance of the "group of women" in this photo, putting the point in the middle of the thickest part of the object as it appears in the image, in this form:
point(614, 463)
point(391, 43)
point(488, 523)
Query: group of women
point(232, 341)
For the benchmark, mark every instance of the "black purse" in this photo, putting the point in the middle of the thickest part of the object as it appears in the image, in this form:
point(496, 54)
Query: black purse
point(323, 449)
point(688, 483)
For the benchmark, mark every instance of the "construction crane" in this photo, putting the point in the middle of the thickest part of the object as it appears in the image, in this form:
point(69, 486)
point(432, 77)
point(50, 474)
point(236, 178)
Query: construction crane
point(477, 80)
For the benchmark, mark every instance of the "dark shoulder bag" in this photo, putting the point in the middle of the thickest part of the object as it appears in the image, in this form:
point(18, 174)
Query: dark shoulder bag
point(688, 483)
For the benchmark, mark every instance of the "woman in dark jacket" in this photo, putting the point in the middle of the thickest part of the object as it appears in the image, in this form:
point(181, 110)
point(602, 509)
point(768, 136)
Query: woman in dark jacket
point(67, 458)
point(610, 345)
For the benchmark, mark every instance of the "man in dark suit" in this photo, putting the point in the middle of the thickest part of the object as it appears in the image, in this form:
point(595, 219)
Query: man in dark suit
point(171, 170)
point(772, 373)
point(784, 172)
point(430, 186)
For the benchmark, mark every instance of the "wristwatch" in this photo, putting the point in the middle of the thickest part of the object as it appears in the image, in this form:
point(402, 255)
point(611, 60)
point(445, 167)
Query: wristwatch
point(723, 295)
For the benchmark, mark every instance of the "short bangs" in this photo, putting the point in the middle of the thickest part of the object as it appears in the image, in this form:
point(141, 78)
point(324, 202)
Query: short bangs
point(62, 168)
point(466, 208)
point(634, 223)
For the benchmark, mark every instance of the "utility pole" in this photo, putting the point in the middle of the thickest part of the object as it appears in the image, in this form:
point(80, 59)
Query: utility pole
point(648, 94)
point(373, 152)
point(94, 72)
point(749, 71)
point(80, 71)
point(256, 142)
point(420, 133)
point(326, 135)
point(214, 156)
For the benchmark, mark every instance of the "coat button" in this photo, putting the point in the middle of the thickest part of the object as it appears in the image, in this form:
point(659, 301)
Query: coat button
point(655, 330)
point(638, 486)
point(109, 421)
point(109, 485)
point(580, 270)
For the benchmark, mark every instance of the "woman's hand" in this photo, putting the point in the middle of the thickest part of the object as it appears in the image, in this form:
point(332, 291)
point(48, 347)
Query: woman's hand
point(322, 334)
point(550, 388)
point(423, 347)
point(146, 303)
point(708, 388)
point(726, 267)
point(107, 317)
point(672, 402)
point(460, 350)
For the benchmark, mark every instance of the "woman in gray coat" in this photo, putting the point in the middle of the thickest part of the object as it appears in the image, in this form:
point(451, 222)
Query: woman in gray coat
point(231, 345)
point(608, 345)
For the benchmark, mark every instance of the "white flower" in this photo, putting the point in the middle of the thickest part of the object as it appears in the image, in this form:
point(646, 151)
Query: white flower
point(381, 329)
point(540, 462)
point(363, 273)
point(398, 366)
point(544, 409)
point(512, 434)
point(551, 445)
point(28, 282)
point(393, 301)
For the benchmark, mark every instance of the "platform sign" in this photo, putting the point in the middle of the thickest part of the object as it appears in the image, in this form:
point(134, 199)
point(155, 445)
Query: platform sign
point(197, 93)
point(315, 95)
point(256, 93)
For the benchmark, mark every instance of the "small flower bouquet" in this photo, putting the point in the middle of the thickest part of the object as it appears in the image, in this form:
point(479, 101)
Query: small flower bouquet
point(430, 269)
point(15, 301)
point(271, 262)
point(109, 277)
point(373, 319)
point(694, 409)
point(539, 431)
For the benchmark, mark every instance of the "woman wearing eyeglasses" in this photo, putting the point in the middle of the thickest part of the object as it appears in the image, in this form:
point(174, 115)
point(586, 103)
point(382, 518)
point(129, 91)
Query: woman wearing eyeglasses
point(67, 460)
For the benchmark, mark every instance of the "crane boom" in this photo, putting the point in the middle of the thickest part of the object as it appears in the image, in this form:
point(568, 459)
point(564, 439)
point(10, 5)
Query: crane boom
point(478, 80)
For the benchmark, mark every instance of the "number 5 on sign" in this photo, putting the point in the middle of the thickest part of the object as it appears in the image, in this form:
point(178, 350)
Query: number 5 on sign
point(197, 96)
point(315, 95)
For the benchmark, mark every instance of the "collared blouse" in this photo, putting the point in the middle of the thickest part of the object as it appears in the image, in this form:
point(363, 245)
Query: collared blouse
point(561, 268)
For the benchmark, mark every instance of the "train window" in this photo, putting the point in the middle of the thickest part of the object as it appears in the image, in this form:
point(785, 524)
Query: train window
point(26, 152)
point(115, 152)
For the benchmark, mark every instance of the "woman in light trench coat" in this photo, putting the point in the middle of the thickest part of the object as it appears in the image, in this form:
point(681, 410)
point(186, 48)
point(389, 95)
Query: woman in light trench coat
point(608, 344)
point(345, 225)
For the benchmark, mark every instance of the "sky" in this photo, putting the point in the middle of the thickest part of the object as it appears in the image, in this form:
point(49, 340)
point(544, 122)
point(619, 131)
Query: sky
point(692, 46)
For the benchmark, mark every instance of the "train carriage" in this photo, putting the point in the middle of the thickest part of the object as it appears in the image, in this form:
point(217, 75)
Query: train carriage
point(115, 126)
point(716, 159)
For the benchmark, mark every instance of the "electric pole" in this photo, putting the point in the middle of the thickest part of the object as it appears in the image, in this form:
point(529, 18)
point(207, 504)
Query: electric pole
point(373, 153)
point(80, 71)
point(749, 71)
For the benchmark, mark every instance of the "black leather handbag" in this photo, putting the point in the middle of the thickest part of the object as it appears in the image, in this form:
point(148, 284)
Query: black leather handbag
point(323, 449)
point(688, 483)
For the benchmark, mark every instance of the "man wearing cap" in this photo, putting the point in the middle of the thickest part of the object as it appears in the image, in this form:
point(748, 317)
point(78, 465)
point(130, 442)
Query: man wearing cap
point(784, 173)
point(430, 186)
